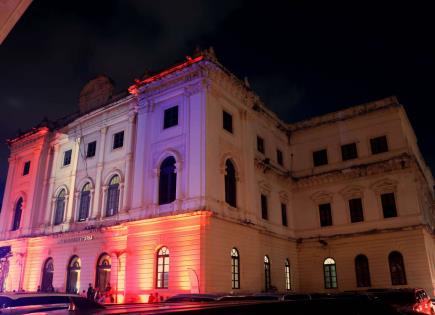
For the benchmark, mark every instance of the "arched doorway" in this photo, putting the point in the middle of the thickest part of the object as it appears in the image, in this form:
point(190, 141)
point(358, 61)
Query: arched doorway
point(103, 272)
point(47, 276)
point(167, 181)
point(73, 277)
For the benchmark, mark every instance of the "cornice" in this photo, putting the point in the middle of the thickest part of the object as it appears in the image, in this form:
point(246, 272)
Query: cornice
point(345, 114)
point(400, 162)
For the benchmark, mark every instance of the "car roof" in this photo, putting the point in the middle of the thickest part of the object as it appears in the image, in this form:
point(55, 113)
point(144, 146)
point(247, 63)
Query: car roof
point(15, 295)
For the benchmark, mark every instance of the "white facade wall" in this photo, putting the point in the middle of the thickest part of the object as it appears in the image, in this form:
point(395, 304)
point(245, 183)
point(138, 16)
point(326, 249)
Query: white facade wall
point(199, 227)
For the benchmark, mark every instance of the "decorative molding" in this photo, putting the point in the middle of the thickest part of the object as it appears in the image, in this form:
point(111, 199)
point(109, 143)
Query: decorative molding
point(264, 187)
point(401, 162)
point(320, 197)
point(353, 191)
point(384, 185)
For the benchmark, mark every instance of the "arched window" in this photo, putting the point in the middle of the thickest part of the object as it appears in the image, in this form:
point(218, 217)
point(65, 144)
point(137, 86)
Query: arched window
point(362, 271)
point(162, 268)
point(397, 268)
point(330, 273)
point(85, 202)
point(287, 275)
point(167, 181)
point(17, 214)
point(47, 276)
point(73, 276)
point(235, 269)
point(267, 281)
point(230, 184)
point(103, 272)
point(113, 196)
point(60, 207)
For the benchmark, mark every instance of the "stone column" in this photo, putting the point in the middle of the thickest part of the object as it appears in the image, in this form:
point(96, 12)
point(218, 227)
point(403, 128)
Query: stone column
point(76, 207)
point(91, 202)
point(68, 196)
point(52, 209)
point(128, 160)
point(72, 183)
point(103, 201)
point(156, 186)
point(97, 205)
point(179, 185)
point(48, 211)
point(121, 196)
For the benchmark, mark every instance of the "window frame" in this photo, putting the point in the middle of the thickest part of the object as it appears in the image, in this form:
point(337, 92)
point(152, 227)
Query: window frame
point(235, 268)
point(67, 159)
point(102, 266)
point(229, 128)
point(57, 209)
point(315, 159)
point(393, 277)
point(113, 196)
point(287, 275)
point(347, 158)
point(84, 194)
point(261, 147)
point(267, 273)
point(170, 194)
point(381, 194)
point(18, 214)
point(327, 273)
point(284, 216)
point(26, 168)
point(362, 272)
point(164, 254)
point(331, 220)
point(94, 144)
point(280, 157)
point(47, 275)
point(351, 217)
point(230, 184)
point(264, 207)
point(382, 150)
point(115, 141)
point(169, 121)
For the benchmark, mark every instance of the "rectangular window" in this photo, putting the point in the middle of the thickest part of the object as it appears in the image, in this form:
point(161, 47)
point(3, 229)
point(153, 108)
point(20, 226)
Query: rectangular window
point(379, 145)
point(279, 158)
point(320, 157)
point(260, 144)
point(170, 118)
point(264, 212)
point(26, 168)
point(227, 121)
point(349, 152)
point(67, 158)
point(90, 152)
point(389, 205)
point(356, 210)
point(284, 214)
point(118, 140)
point(325, 214)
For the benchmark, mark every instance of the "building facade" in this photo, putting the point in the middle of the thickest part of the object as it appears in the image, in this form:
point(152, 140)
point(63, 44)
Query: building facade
point(188, 183)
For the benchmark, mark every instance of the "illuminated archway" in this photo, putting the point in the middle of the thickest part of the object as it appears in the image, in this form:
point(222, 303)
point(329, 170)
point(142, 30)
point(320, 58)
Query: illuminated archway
point(47, 276)
point(104, 268)
point(73, 276)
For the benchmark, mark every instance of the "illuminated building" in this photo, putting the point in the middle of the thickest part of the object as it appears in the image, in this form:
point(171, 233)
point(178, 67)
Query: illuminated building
point(188, 183)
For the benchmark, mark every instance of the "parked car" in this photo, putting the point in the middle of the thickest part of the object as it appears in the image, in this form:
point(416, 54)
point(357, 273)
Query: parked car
point(24, 303)
point(406, 300)
point(192, 298)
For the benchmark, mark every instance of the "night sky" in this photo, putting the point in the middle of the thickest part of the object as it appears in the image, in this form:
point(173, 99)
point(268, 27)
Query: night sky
point(303, 60)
